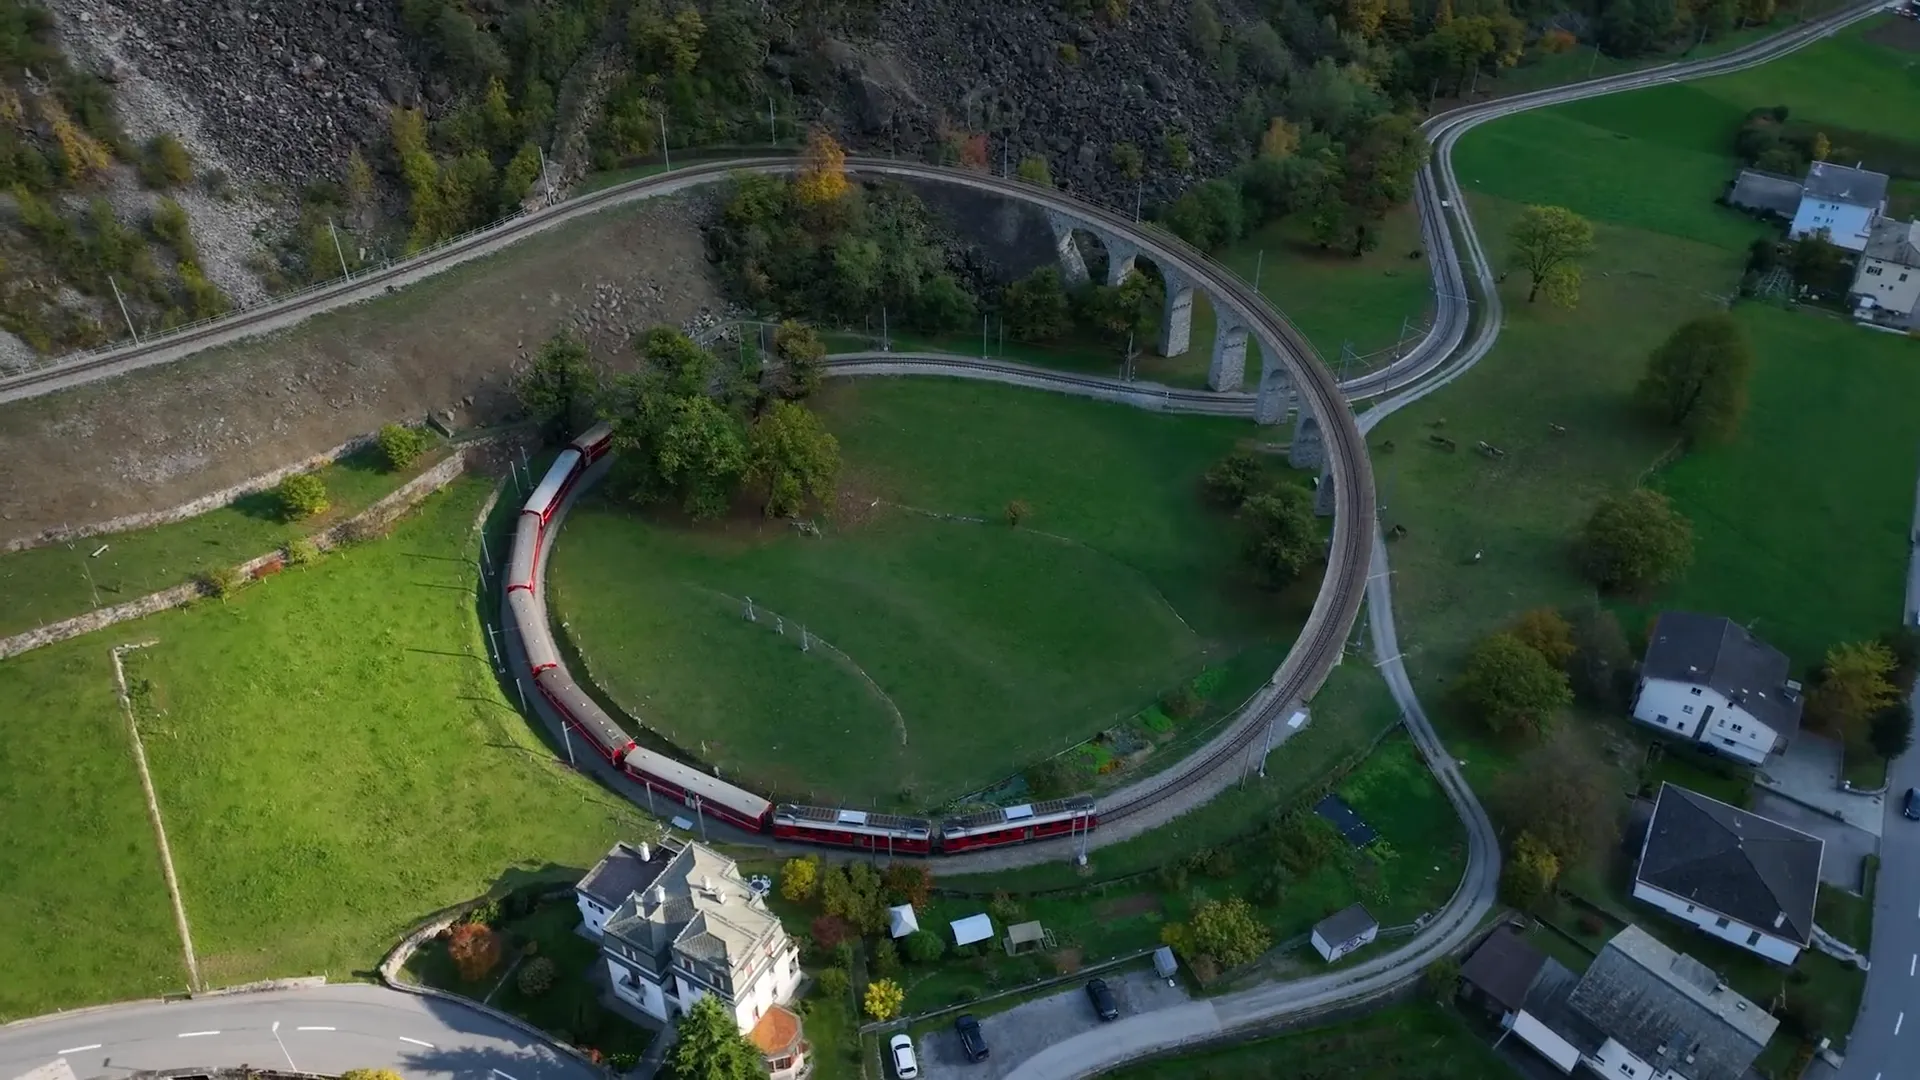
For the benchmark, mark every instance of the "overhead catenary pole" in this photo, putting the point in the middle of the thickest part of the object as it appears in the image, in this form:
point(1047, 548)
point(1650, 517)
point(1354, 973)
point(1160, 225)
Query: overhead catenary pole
point(666, 152)
point(342, 255)
point(546, 178)
point(123, 308)
point(773, 135)
point(567, 737)
point(1259, 261)
point(1595, 62)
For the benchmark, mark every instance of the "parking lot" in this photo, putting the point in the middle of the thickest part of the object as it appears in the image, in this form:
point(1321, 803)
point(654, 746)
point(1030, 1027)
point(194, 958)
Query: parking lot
point(1024, 1030)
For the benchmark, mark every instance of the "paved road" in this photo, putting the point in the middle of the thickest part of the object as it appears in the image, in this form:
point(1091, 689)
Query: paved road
point(326, 1030)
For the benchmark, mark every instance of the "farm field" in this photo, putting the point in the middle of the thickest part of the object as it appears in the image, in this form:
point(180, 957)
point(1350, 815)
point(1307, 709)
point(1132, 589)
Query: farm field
point(1643, 167)
point(46, 584)
point(1403, 1042)
point(299, 734)
point(947, 650)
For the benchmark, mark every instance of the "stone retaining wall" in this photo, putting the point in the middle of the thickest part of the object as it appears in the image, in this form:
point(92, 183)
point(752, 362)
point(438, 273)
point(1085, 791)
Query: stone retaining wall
point(377, 516)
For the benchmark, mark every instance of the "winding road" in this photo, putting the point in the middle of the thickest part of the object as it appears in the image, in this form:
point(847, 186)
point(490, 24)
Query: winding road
point(354, 1026)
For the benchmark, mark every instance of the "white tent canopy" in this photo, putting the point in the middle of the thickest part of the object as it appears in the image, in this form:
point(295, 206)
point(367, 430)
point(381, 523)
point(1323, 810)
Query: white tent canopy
point(971, 929)
point(900, 921)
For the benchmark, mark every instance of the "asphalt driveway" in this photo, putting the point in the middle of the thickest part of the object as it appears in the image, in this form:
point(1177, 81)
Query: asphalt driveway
point(1024, 1030)
point(1842, 862)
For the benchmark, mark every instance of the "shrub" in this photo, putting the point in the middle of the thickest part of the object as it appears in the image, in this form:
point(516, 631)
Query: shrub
point(1183, 703)
point(474, 949)
point(1004, 908)
point(166, 163)
point(1592, 925)
point(1228, 931)
point(798, 878)
point(1069, 53)
point(401, 446)
point(536, 976)
point(1017, 511)
point(222, 581)
point(924, 946)
point(830, 932)
point(1442, 979)
point(884, 998)
point(886, 958)
point(833, 982)
point(302, 550)
point(302, 495)
point(1231, 479)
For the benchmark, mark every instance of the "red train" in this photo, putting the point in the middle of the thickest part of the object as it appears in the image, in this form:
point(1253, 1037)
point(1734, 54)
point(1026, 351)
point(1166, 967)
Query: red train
point(699, 792)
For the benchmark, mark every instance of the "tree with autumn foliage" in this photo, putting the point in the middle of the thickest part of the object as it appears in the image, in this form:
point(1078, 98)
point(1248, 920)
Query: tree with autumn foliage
point(474, 949)
point(1855, 682)
point(884, 998)
point(1547, 241)
point(907, 883)
point(1546, 632)
point(823, 174)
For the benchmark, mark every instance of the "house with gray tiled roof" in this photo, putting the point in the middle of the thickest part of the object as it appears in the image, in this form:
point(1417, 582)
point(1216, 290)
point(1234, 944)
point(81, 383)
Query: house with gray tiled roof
point(1662, 1015)
point(677, 922)
point(1708, 679)
point(1841, 201)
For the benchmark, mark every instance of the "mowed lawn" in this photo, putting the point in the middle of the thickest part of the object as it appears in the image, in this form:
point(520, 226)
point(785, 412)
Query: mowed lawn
point(1420, 1041)
point(1799, 522)
point(333, 759)
point(947, 648)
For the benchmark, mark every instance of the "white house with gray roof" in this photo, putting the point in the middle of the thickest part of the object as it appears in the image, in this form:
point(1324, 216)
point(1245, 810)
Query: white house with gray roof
point(676, 923)
point(1886, 286)
point(1709, 680)
point(1661, 1015)
point(1842, 201)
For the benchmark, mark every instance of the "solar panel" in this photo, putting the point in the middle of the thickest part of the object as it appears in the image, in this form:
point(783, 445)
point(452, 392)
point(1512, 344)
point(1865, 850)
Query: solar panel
point(1017, 813)
point(852, 817)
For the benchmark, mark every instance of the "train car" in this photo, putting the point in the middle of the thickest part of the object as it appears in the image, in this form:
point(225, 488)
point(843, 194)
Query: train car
point(888, 833)
point(553, 487)
point(699, 791)
point(594, 442)
point(1018, 824)
point(529, 621)
point(521, 561)
point(581, 713)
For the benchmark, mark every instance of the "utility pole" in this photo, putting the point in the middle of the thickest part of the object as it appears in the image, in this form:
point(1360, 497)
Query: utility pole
point(665, 152)
point(773, 135)
point(1259, 260)
point(342, 255)
point(886, 341)
point(123, 308)
point(567, 736)
point(1595, 62)
point(1268, 747)
point(983, 337)
point(1139, 192)
point(545, 177)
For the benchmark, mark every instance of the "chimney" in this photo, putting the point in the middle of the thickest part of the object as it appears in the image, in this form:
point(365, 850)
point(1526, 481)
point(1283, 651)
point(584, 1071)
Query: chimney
point(646, 851)
point(657, 895)
point(1779, 920)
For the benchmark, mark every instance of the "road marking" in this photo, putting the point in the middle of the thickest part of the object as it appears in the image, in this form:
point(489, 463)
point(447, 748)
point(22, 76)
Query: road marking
point(288, 1054)
point(196, 1034)
point(314, 1029)
point(497, 1072)
point(1897, 1021)
point(77, 1049)
point(1913, 963)
point(417, 1042)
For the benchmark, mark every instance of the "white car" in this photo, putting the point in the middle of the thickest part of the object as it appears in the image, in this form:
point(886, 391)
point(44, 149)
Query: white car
point(904, 1065)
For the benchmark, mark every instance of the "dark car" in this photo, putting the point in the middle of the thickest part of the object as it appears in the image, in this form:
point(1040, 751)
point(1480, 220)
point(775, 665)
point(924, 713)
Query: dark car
point(1102, 997)
point(972, 1043)
point(1912, 806)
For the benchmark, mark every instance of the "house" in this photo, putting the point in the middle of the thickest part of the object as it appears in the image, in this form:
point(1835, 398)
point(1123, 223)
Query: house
point(1707, 679)
point(1766, 193)
point(778, 1038)
point(1344, 931)
point(1886, 287)
point(1735, 875)
point(1505, 976)
point(1662, 1015)
point(688, 926)
point(1842, 201)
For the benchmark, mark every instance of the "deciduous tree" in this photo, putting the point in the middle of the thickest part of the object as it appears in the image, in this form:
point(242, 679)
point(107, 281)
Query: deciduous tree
point(1696, 381)
point(1890, 732)
point(1284, 539)
point(907, 883)
point(1636, 541)
point(1602, 668)
point(474, 949)
point(791, 453)
point(1854, 683)
point(823, 176)
point(560, 389)
point(924, 946)
point(802, 360)
point(1127, 158)
point(1531, 870)
point(1546, 242)
point(1035, 308)
point(1511, 688)
point(709, 1045)
point(401, 446)
point(884, 998)
point(1229, 931)
point(1034, 170)
point(1563, 794)
point(303, 495)
point(798, 878)
point(1546, 632)
point(536, 976)
point(1233, 478)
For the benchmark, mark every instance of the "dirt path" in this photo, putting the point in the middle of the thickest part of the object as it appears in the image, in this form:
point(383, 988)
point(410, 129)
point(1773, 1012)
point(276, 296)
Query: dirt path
point(153, 814)
point(162, 436)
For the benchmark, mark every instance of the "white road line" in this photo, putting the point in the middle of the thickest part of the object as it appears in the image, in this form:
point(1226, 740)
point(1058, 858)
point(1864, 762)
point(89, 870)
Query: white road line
point(1912, 964)
point(196, 1034)
point(417, 1042)
point(288, 1054)
point(497, 1072)
point(1897, 1021)
point(315, 1029)
point(77, 1049)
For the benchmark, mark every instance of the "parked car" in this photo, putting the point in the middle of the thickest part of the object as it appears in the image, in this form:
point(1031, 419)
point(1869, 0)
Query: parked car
point(1912, 806)
point(972, 1043)
point(900, 1048)
point(1102, 997)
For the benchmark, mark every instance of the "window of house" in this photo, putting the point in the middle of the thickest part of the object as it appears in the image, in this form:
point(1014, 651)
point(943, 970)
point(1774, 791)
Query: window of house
point(1695, 691)
point(1736, 727)
point(1688, 709)
point(1729, 742)
point(1721, 922)
point(1903, 275)
point(1873, 271)
point(1753, 938)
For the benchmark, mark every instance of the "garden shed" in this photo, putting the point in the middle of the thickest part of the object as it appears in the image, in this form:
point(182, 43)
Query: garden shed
point(901, 921)
point(1027, 937)
point(973, 928)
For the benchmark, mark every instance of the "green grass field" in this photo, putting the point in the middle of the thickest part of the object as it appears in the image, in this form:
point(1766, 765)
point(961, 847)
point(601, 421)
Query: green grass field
point(333, 760)
point(46, 584)
point(1403, 1042)
point(952, 652)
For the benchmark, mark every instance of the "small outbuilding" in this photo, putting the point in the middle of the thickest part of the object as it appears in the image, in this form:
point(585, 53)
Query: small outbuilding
point(1027, 937)
point(901, 921)
point(972, 929)
point(1164, 965)
point(1344, 931)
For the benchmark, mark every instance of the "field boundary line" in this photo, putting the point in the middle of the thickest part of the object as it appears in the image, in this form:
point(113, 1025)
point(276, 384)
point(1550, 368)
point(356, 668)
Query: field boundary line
point(153, 812)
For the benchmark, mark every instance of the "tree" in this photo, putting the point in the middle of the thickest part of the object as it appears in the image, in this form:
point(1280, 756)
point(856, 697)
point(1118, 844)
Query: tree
point(1528, 878)
point(837, 897)
point(833, 982)
point(1511, 687)
point(823, 175)
point(1442, 979)
point(1035, 308)
point(886, 958)
point(1546, 241)
point(1228, 931)
point(536, 976)
point(1233, 478)
point(1562, 793)
point(1203, 29)
point(302, 495)
point(1281, 138)
point(401, 446)
point(1819, 265)
point(1602, 668)
point(701, 454)
point(884, 998)
point(1179, 156)
point(802, 360)
point(793, 455)
point(1284, 538)
point(1209, 215)
point(1127, 158)
point(1890, 732)
point(1017, 511)
point(1854, 683)
point(710, 1047)
point(943, 305)
point(1546, 632)
point(560, 389)
point(167, 163)
point(907, 883)
point(474, 949)
point(924, 946)
point(370, 1074)
point(1696, 381)
point(1034, 170)
point(1636, 541)
point(798, 878)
